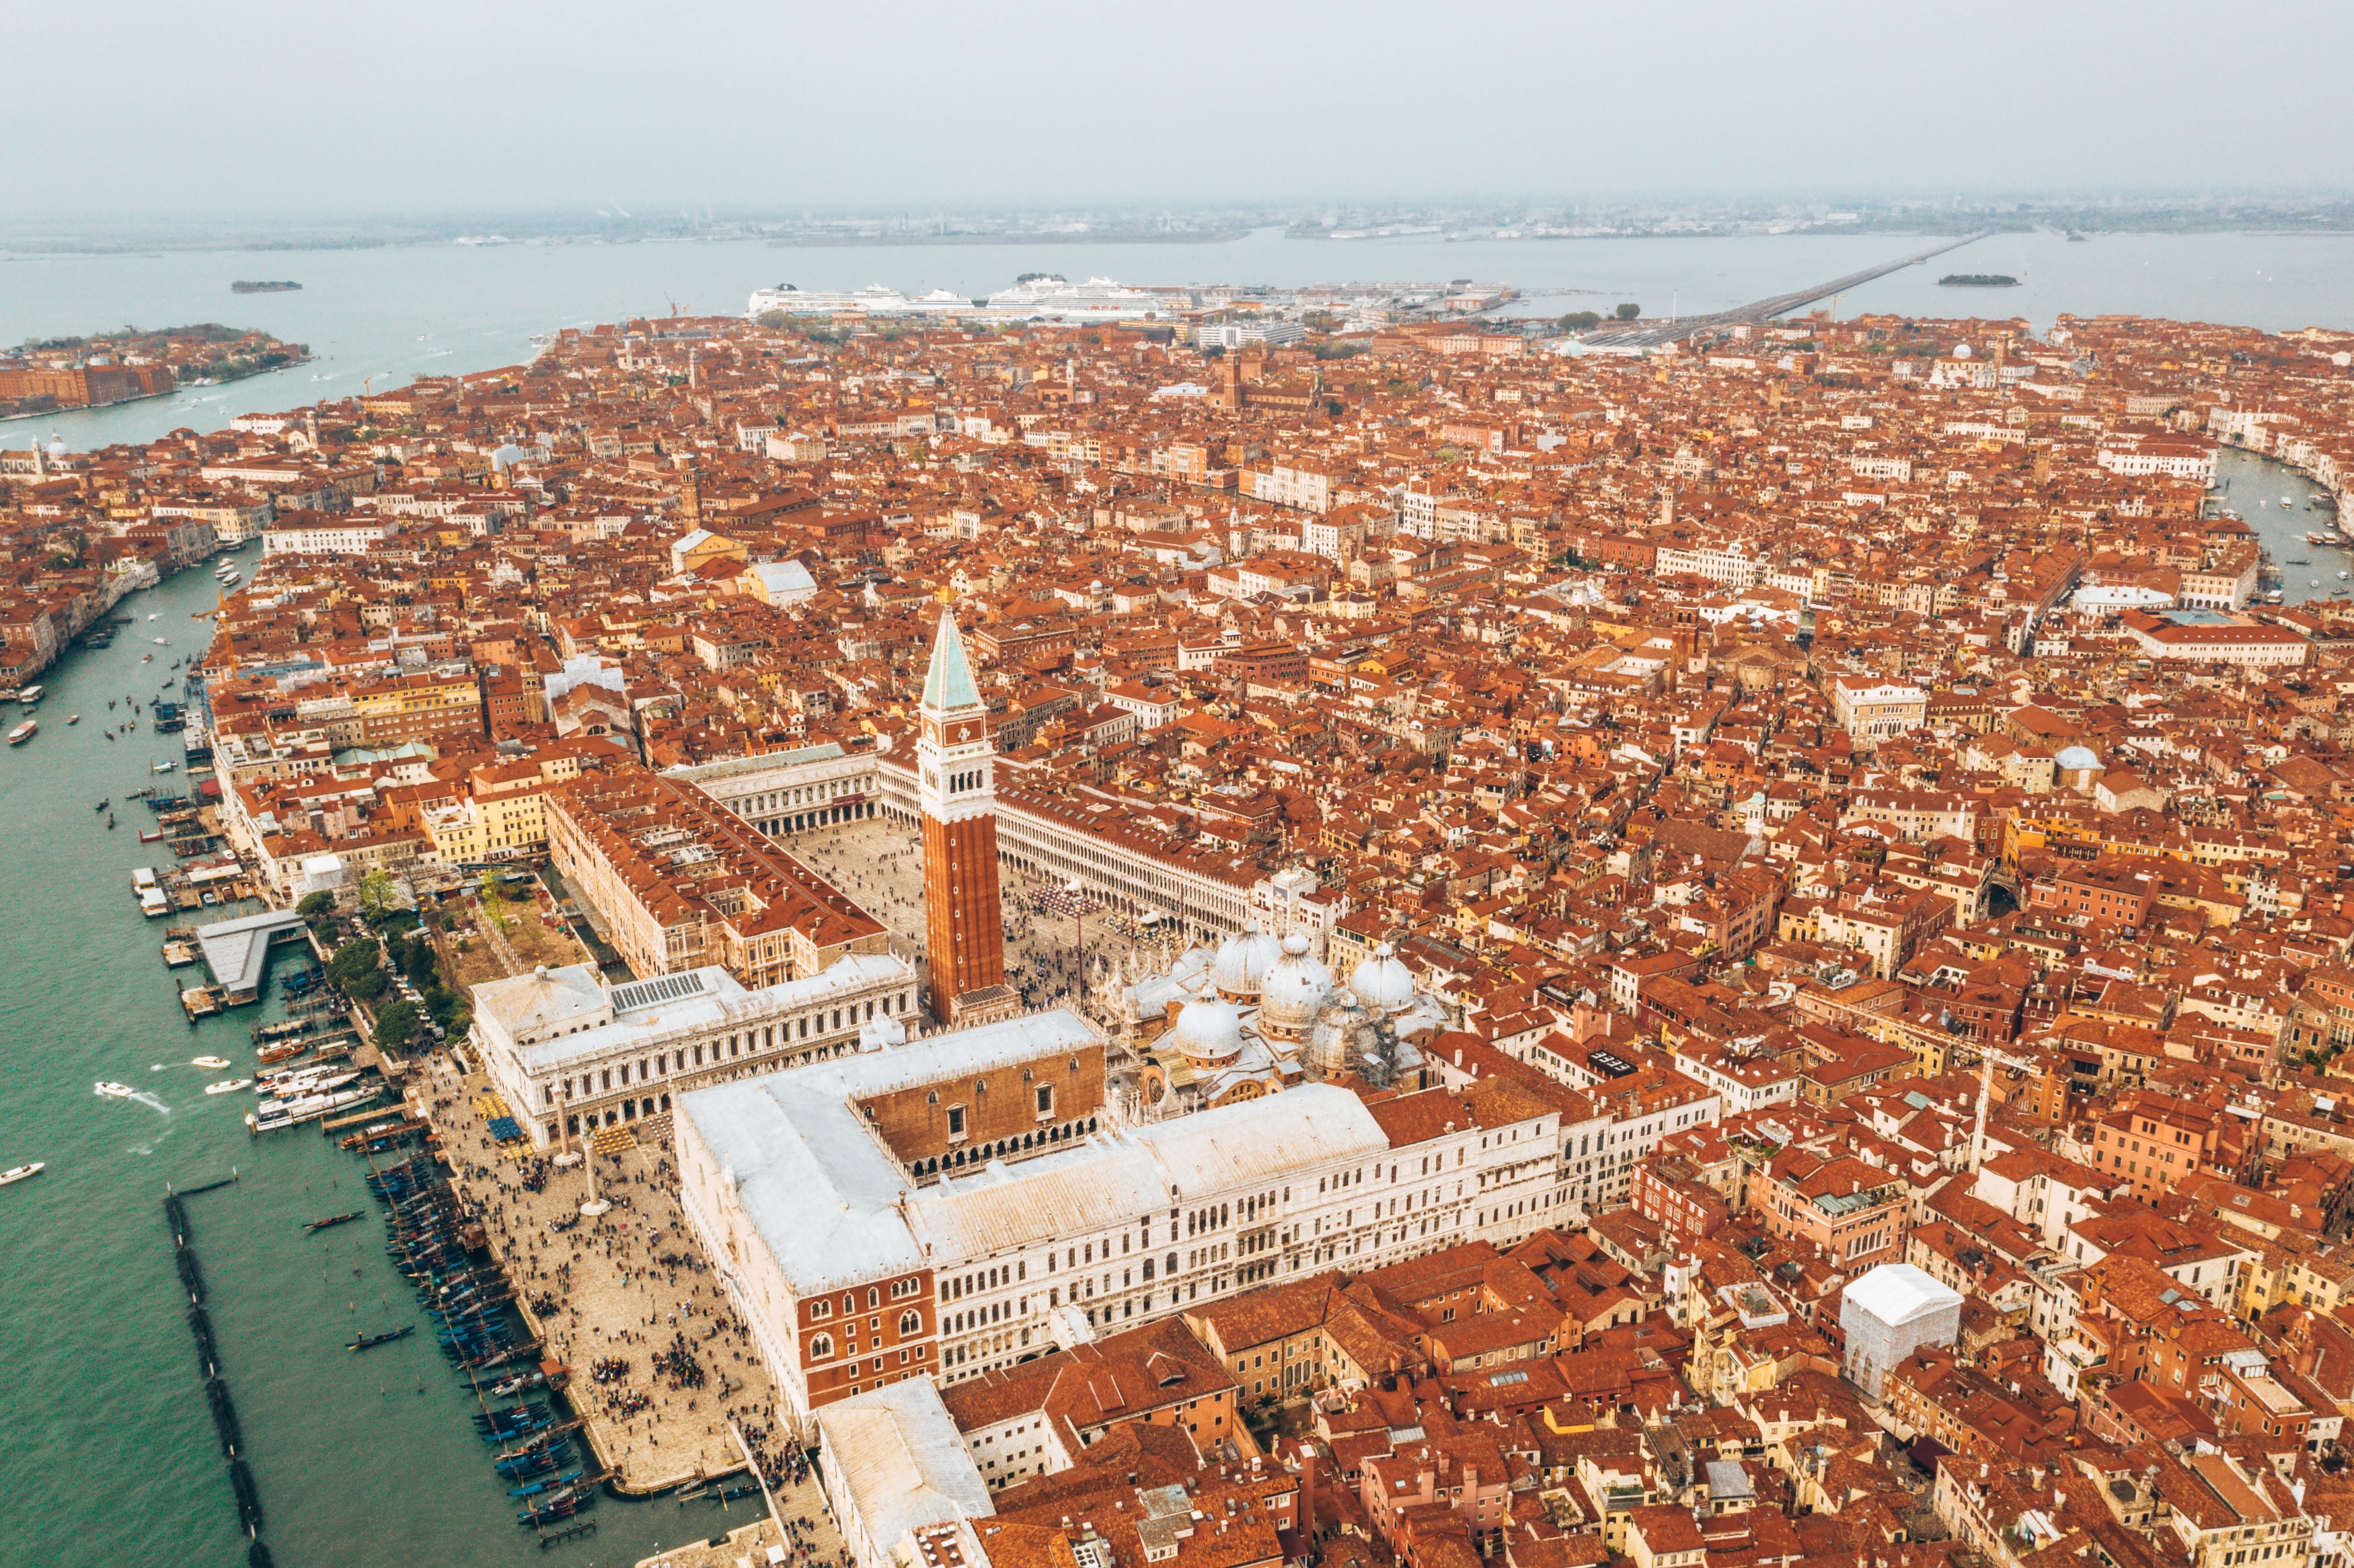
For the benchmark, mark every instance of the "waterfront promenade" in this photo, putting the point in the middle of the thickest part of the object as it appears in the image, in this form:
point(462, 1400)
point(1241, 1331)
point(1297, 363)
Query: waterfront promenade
point(628, 1286)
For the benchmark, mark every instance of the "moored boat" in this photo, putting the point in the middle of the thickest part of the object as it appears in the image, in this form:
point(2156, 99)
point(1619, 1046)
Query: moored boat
point(227, 1085)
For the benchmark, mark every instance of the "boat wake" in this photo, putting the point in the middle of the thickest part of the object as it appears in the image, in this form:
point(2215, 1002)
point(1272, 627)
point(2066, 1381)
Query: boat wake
point(150, 1102)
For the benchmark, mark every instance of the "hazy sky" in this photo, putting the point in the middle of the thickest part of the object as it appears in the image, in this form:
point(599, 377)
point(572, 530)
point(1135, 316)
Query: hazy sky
point(141, 108)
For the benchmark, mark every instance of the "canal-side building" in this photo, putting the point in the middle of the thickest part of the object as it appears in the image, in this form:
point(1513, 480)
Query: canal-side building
point(570, 1052)
point(866, 1240)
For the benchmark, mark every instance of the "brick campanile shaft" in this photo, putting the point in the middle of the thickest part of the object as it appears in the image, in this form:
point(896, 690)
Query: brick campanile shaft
point(964, 926)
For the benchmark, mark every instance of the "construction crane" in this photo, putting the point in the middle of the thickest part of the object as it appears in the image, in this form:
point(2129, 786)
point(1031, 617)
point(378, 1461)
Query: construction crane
point(1988, 1056)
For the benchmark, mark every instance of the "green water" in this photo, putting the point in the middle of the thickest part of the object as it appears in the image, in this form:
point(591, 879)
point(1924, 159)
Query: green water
point(109, 1454)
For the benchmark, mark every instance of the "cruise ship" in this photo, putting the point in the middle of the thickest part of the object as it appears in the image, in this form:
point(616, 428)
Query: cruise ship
point(1052, 297)
point(874, 300)
point(1097, 300)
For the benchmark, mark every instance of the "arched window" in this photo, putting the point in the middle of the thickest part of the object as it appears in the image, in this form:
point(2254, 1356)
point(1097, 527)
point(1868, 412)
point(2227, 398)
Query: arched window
point(849, 1303)
point(910, 1322)
point(873, 1297)
point(820, 1346)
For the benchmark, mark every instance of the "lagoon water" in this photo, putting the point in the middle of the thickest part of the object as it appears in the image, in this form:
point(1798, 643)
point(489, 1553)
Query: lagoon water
point(362, 1461)
point(390, 314)
point(370, 1460)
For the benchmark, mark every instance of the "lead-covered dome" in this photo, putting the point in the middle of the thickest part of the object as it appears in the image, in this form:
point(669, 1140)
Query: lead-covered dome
point(1244, 960)
point(1208, 1031)
point(1295, 990)
point(1383, 983)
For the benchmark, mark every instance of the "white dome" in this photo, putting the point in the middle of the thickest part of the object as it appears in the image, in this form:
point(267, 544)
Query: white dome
point(1383, 983)
point(2076, 759)
point(1208, 1029)
point(1295, 991)
point(1244, 960)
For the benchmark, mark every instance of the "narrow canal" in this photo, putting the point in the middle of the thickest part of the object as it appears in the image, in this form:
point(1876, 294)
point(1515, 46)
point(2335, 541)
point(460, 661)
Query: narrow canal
point(359, 1460)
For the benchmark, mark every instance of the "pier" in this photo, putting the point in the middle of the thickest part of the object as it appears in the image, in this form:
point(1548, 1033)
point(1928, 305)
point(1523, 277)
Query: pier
point(236, 952)
point(226, 1426)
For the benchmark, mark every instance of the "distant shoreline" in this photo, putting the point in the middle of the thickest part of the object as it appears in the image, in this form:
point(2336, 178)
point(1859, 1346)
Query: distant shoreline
point(1093, 236)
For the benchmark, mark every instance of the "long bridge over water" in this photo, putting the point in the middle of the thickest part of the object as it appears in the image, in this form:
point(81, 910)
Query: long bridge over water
point(1660, 335)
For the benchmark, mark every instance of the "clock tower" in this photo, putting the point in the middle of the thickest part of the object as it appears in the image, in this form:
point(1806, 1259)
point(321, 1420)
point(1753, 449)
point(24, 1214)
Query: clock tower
point(964, 926)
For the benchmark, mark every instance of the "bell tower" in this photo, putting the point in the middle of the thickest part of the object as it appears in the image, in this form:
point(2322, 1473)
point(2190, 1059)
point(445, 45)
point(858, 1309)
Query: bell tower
point(964, 926)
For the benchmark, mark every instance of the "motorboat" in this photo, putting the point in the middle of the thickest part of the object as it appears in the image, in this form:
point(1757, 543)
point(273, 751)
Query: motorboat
point(310, 1081)
point(208, 1062)
point(24, 732)
point(114, 1091)
point(2287, 502)
point(271, 1116)
point(162, 767)
point(163, 643)
point(72, 719)
point(19, 1173)
point(227, 1085)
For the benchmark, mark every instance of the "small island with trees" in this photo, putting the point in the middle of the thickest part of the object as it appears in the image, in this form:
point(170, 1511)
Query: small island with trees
point(1977, 280)
point(248, 286)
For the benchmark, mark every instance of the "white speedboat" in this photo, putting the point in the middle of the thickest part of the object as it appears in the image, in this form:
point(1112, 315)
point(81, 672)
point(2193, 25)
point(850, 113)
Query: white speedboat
point(163, 643)
point(271, 1115)
point(114, 1091)
point(301, 1087)
point(227, 1085)
point(208, 1061)
point(19, 1173)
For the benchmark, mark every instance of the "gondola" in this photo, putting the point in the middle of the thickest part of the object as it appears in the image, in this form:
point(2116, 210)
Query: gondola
point(546, 1483)
point(369, 1341)
point(331, 1221)
point(509, 1418)
point(559, 1505)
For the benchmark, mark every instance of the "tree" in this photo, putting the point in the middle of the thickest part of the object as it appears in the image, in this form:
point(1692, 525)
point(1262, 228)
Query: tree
point(375, 892)
point(1629, 312)
point(396, 1025)
point(352, 960)
point(315, 905)
point(1579, 320)
point(415, 956)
